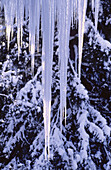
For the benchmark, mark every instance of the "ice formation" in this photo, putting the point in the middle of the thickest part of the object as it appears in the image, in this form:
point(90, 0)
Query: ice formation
point(96, 12)
point(82, 5)
point(47, 57)
point(92, 5)
point(64, 13)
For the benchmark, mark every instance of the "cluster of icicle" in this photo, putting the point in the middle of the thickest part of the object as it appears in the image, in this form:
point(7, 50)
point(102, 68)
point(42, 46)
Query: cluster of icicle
point(64, 13)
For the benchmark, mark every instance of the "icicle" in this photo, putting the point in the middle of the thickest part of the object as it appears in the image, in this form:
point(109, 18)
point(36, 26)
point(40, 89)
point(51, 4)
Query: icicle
point(9, 18)
point(12, 15)
point(69, 10)
point(21, 18)
point(64, 12)
point(8, 21)
point(8, 30)
point(21, 32)
point(61, 14)
point(18, 25)
point(76, 54)
point(82, 5)
point(47, 56)
point(18, 41)
point(32, 26)
point(26, 6)
point(92, 5)
point(30, 22)
point(76, 12)
point(97, 2)
point(37, 22)
point(11, 33)
point(72, 13)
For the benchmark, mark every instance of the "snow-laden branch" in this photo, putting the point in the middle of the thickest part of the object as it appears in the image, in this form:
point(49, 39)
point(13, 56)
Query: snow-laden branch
point(105, 45)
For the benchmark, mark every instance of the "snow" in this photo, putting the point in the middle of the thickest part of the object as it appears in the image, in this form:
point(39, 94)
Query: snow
point(73, 162)
point(104, 128)
point(108, 165)
point(2, 121)
point(81, 91)
point(108, 21)
point(82, 119)
point(96, 131)
point(77, 156)
point(105, 45)
point(12, 140)
point(23, 92)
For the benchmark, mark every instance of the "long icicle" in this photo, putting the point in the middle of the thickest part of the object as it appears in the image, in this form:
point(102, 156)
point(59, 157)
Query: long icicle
point(18, 25)
point(32, 27)
point(47, 56)
point(64, 12)
point(13, 12)
point(97, 3)
point(92, 3)
point(68, 13)
point(82, 5)
point(61, 14)
point(7, 7)
point(21, 19)
point(37, 22)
